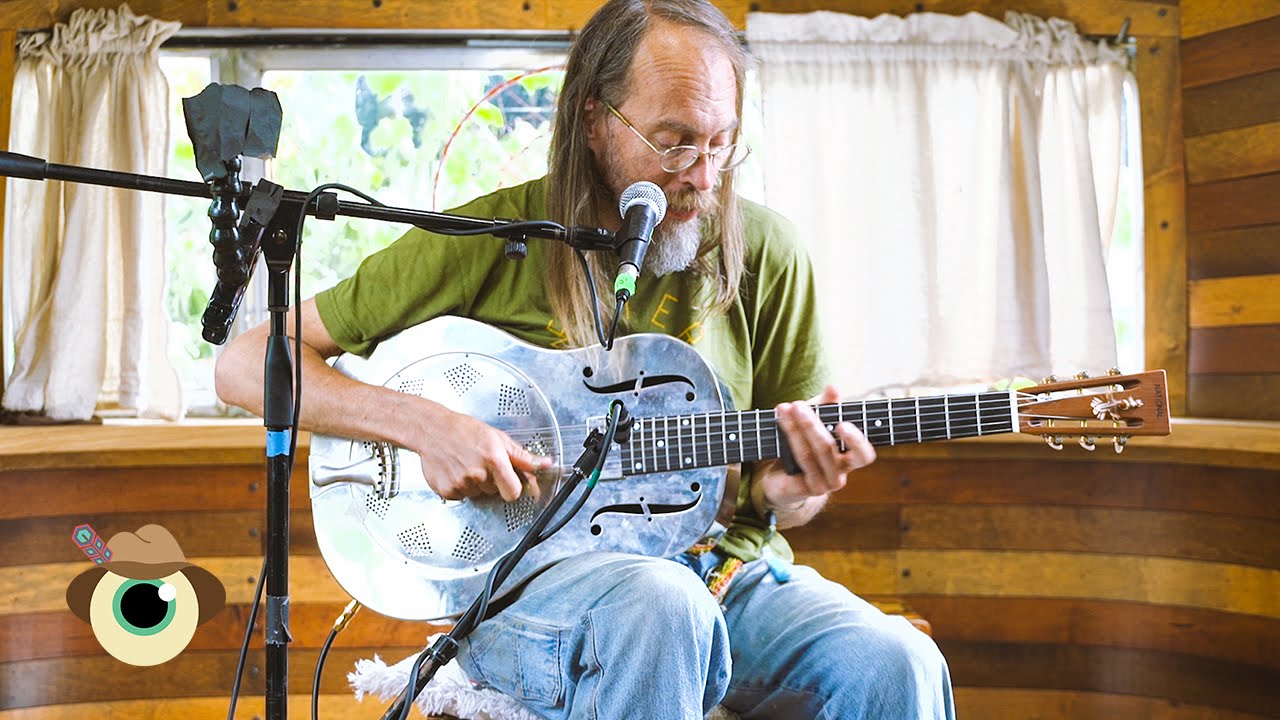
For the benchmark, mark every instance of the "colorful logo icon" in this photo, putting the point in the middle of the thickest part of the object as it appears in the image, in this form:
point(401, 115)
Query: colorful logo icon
point(142, 598)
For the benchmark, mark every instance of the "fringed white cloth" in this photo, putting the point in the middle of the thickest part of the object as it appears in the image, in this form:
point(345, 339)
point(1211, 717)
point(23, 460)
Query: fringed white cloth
point(450, 692)
point(84, 264)
point(955, 179)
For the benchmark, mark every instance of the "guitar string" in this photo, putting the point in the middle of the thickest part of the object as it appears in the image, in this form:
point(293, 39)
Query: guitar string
point(719, 423)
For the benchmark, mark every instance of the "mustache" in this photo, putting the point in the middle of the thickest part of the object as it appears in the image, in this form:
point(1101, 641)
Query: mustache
point(703, 202)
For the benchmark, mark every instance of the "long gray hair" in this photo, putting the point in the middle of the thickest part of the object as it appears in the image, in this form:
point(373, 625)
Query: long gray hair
point(577, 192)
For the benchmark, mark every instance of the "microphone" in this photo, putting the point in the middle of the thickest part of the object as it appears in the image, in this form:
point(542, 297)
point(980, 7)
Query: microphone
point(642, 206)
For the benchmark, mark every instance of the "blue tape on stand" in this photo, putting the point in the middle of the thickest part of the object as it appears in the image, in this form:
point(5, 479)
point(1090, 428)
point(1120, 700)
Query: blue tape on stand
point(277, 443)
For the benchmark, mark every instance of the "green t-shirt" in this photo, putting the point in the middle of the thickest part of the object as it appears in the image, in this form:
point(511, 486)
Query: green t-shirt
point(766, 348)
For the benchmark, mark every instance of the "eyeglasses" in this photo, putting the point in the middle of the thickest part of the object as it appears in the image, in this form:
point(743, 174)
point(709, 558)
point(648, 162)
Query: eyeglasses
point(683, 157)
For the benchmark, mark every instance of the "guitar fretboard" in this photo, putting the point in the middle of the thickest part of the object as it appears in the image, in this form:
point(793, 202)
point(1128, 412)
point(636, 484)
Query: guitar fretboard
point(686, 442)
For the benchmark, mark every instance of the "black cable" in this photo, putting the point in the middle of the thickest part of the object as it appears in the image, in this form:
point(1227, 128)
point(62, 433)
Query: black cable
point(515, 228)
point(315, 682)
point(535, 535)
point(605, 341)
point(248, 633)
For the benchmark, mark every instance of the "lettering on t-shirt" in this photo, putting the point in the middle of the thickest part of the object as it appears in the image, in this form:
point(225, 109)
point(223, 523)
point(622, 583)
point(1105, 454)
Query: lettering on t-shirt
point(691, 334)
point(561, 337)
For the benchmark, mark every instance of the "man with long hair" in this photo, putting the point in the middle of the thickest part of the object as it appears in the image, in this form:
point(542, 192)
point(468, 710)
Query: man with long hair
point(653, 91)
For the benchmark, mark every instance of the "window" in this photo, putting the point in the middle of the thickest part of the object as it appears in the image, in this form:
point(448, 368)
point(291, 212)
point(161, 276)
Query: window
point(428, 128)
point(422, 128)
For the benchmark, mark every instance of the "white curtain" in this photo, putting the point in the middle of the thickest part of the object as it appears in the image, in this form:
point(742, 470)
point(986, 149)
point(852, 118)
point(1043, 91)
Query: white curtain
point(84, 264)
point(955, 178)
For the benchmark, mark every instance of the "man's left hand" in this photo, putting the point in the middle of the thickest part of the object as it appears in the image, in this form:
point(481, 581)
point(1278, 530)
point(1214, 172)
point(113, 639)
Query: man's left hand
point(825, 462)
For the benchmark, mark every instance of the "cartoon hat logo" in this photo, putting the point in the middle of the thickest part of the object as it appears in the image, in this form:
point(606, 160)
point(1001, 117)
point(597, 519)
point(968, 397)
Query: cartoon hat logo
point(145, 603)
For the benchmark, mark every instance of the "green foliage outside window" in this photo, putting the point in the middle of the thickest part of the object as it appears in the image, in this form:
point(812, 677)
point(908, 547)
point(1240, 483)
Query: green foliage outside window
point(426, 140)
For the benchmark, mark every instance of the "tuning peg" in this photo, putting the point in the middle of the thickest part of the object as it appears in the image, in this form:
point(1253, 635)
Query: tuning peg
point(1119, 442)
point(1088, 442)
point(1049, 379)
point(1113, 371)
point(1053, 441)
point(1082, 375)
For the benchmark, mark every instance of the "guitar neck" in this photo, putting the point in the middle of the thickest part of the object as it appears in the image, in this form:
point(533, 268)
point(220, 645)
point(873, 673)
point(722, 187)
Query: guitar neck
point(686, 442)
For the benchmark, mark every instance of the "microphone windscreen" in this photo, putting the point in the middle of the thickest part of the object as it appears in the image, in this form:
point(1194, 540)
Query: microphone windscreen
point(645, 192)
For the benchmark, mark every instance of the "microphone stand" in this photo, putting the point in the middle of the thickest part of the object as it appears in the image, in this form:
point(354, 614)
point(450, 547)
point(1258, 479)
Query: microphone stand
point(271, 214)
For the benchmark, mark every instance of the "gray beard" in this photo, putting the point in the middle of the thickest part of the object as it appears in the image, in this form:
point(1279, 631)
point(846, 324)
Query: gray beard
point(673, 248)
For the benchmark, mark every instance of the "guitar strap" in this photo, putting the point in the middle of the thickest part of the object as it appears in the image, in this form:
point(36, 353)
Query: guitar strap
point(722, 575)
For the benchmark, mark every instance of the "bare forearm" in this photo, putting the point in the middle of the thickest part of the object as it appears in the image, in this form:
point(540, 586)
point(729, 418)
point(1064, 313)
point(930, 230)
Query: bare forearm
point(332, 403)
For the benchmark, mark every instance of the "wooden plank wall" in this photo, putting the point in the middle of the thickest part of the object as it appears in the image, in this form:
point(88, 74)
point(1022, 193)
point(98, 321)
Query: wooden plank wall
point(1231, 124)
point(51, 666)
point(1070, 586)
point(1074, 588)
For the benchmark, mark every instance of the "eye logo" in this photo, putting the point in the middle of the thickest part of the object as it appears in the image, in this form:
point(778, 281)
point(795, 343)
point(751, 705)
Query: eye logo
point(145, 602)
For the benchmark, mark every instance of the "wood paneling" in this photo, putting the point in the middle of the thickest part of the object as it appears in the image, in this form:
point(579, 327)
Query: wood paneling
point(1195, 536)
point(26, 541)
point(51, 634)
point(1191, 535)
point(847, 526)
point(1146, 486)
point(1239, 251)
point(1236, 153)
point(1235, 103)
point(1231, 76)
point(1102, 17)
point(1245, 349)
point(191, 674)
point(72, 493)
point(1247, 300)
point(397, 14)
point(1200, 17)
point(1163, 581)
point(1165, 220)
point(1234, 203)
point(25, 588)
point(1178, 678)
point(1234, 52)
point(338, 706)
point(998, 703)
point(1245, 639)
point(1236, 396)
point(138, 444)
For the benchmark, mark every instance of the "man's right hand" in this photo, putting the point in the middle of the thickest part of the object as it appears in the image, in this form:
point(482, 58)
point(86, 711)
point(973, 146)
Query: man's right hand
point(464, 457)
point(461, 456)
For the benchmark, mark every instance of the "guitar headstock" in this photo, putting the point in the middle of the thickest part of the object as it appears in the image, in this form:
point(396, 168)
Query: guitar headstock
point(1112, 405)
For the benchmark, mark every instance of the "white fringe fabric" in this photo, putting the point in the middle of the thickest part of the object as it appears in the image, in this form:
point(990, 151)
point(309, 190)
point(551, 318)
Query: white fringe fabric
point(450, 692)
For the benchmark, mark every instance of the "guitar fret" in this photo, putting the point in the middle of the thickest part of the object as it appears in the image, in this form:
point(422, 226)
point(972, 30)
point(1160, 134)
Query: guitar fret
point(919, 437)
point(726, 452)
point(946, 412)
point(680, 457)
point(666, 443)
point(759, 442)
point(891, 422)
point(741, 436)
point(708, 419)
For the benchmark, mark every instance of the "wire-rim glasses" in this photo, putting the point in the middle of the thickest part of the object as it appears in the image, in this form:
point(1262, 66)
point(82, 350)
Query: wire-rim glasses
point(682, 157)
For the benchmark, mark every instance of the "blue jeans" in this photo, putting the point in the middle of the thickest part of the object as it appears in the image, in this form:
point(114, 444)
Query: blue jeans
point(611, 637)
